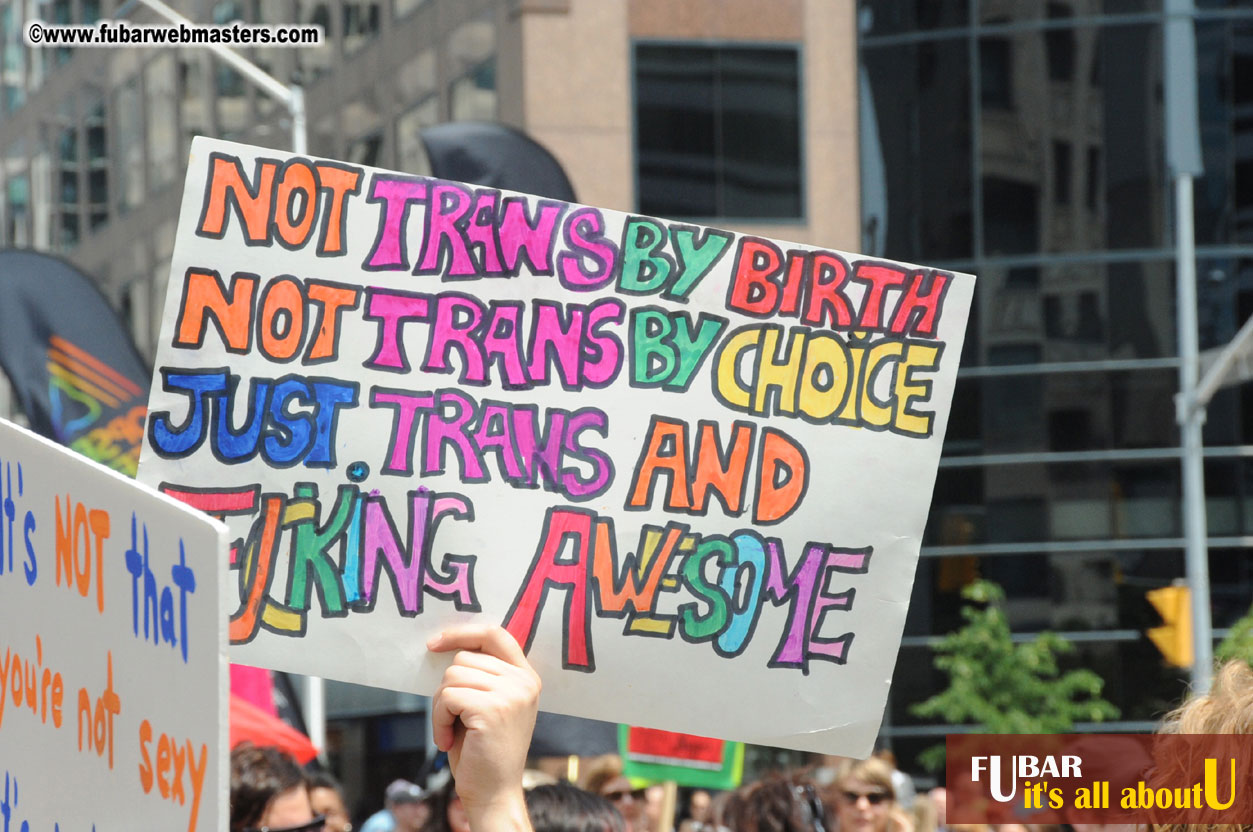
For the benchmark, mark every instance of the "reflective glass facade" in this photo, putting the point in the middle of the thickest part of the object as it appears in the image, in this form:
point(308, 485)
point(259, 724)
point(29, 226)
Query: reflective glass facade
point(718, 131)
point(1024, 142)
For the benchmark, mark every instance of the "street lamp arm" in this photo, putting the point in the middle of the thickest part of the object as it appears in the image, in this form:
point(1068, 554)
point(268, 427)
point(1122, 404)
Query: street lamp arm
point(237, 61)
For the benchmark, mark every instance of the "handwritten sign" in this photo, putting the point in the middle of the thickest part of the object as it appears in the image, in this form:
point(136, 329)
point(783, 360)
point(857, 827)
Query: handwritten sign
point(663, 456)
point(113, 663)
point(689, 760)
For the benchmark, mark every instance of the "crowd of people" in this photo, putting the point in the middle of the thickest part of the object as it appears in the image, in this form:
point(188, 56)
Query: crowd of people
point(483, 715)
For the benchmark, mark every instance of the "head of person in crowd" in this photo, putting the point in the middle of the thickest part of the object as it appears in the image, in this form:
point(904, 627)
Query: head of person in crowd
point(924, 815)
point(654, 806)
point(606, 779)
point(1226, 709)
point(699, 812)
point(902, 783)
point(445, 812)
point(865, 799)
point(785, 802)
point(564, 807)
point(698, 806)
point(269, 792)
point(408, 804)
point(327, 798)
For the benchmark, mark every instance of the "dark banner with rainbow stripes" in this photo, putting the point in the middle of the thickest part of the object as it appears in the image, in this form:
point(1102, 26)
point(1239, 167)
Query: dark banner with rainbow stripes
point(74, 369)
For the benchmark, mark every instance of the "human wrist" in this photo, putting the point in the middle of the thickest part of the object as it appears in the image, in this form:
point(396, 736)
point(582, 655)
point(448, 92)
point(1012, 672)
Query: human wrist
point(503, 813)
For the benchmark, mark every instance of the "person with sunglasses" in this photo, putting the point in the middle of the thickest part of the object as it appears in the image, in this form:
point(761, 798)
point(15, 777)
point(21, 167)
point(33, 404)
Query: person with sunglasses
point(865, 799)
point(605, 778)
point(269, 792)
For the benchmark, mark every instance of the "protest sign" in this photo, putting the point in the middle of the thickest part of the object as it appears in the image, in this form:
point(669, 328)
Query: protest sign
point(667, 458)
point(688, 760)
point(113, 668)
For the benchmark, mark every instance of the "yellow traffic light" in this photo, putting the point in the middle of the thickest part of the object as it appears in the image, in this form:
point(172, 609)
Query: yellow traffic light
point(1174, 637)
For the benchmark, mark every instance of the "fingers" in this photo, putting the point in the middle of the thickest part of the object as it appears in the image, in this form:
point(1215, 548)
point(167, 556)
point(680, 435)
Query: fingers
point(477, 706)
point(483, 638)
point(483, 662)
point(488, 673)
point(472, 678)
point(450, 701)
point(444, 710)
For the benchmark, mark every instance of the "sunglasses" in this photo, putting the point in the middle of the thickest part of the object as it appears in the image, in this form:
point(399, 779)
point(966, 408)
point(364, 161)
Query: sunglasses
point(873, 798)
point(621, 794)
point(318, 824)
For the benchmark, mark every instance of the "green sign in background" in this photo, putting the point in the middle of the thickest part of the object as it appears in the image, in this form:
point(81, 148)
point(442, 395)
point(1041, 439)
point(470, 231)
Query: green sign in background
point(727, 776)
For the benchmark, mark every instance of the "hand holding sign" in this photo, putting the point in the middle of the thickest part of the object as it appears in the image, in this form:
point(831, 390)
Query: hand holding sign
point(483, 715)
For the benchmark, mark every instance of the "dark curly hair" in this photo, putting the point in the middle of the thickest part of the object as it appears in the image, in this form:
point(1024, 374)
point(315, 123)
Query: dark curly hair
point(258, 775)
point(777, 803)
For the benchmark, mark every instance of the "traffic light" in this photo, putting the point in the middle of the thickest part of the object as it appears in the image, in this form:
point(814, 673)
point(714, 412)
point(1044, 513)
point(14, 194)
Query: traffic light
point(1174, 637)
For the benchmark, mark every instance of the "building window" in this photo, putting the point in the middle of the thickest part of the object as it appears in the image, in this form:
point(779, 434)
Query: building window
point(13, 65)
point(95, 124)
point(1061, 173)
point(366, 150)
point(410, 152)
point(471, 63)
point(161, 83)
point(17, 210)
point(227, 81)
point(62, 14)
point(361, 22)
point(1092, 189)
point(314, 63)
point(472, 97)
point(128, 157)
point(404, 7)
point(1060, 45)
point(68, 178)
point(1011, 216)
point(995, 74)
point(718, 131)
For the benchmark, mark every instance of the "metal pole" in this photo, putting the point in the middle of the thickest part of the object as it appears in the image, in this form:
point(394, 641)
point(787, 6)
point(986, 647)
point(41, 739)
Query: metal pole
point(291, 97)
point(1191, 418)
point(299, 126)
point(247, 68)
point(315, 713)
point(1181, 125)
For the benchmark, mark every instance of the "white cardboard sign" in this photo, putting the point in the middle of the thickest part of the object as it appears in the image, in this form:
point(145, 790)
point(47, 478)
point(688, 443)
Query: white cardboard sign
point(113, 671)
point(667, 458)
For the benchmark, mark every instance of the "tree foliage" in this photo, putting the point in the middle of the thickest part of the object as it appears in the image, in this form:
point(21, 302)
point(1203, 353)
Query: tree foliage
point(1003, 687)
point(1239, 642)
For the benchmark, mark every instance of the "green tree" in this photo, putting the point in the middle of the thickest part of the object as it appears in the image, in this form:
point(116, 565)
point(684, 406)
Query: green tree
point(1239, 642)
point(1003, 687)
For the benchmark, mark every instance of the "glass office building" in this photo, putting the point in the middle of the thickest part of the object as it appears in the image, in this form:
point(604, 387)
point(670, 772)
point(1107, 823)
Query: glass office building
point(1023, 141)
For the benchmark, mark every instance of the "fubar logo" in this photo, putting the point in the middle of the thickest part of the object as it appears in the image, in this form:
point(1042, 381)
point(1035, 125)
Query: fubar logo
point(1021, 767)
